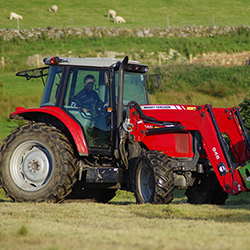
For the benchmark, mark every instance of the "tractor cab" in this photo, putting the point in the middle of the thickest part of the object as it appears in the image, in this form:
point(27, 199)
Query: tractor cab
point(94, 110)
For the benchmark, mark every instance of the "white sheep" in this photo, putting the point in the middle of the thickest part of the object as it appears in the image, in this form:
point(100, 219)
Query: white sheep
point(111, 13)
point(53, 8)
point(119, 19)
point(15, 16)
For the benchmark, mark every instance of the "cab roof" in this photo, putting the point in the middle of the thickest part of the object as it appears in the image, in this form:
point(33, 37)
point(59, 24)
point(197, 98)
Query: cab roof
point(88, 61)
point(95, 62)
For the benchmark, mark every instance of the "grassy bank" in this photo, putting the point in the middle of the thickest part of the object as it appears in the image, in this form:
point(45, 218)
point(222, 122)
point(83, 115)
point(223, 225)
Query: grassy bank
point(21, 54)
point(199, 84)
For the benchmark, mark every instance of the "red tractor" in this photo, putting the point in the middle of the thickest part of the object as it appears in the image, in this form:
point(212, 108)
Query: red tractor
point(95, 132)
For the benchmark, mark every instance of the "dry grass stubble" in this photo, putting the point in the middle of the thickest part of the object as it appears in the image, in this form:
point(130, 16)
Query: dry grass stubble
point(89, 225)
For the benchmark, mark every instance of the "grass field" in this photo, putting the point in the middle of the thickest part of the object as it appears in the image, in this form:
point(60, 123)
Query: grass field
point(136, 13)
point(122, 225)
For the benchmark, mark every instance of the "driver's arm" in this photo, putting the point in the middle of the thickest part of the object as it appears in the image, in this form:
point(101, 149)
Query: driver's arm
point(99, 102)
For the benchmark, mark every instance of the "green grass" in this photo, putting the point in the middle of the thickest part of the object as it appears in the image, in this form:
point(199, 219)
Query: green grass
point(136, 13)
point(17, 91)
point(21, 54)
point(19, 86)
point(199, 84)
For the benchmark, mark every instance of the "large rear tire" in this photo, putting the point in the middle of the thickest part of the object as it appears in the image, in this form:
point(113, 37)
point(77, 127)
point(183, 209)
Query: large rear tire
point(206, 190)
point(37, 164)
point(153, 178)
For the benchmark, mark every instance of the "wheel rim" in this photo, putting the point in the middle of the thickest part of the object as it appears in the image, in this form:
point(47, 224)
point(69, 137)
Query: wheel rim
point(146, 183)
point(31, 166)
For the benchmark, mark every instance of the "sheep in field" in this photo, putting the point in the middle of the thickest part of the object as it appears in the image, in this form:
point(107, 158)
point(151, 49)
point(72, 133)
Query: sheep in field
point(119, 19)
point(111, 13)
point(15, 16)
point(53, 8)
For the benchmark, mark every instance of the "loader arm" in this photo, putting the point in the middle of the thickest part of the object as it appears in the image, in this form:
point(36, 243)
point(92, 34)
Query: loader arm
point(202, 119)
point(230, 123)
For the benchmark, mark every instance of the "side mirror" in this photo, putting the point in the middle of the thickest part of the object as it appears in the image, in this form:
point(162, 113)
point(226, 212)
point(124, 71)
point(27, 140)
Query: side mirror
point(158, 82)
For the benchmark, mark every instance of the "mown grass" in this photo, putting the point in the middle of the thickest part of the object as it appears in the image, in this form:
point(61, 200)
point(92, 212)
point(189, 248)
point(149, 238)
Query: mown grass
point(122, 224)
point(136, 13)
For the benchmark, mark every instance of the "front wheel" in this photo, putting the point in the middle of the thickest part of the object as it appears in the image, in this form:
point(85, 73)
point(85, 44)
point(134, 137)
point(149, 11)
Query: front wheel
point(153, 178)
point(206, 190)
point(37, 164)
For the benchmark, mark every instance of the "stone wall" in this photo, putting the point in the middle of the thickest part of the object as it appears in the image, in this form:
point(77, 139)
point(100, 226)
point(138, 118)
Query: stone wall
point(57, 33)
point(154, 57)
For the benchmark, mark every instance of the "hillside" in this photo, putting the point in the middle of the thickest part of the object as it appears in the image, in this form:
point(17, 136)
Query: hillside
point(188, 66)
point(136, 13)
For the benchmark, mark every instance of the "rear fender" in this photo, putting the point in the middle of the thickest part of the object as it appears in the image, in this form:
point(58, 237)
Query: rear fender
point(73, 127)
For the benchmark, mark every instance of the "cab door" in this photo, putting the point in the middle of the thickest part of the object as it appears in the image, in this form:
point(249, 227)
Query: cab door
point(96, 124)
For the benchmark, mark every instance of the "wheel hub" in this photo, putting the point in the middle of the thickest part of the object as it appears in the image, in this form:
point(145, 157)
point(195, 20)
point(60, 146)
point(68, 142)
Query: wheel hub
point(31, 166)
point(147, 182)
point(35, 166)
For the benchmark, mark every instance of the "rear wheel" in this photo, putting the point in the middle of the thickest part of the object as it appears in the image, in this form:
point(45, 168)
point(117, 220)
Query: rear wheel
point(206, 190)
point(153, 178)
point(37, 164)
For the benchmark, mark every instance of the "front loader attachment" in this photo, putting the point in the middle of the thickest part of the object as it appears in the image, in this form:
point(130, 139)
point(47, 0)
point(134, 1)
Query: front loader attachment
point(211, 123)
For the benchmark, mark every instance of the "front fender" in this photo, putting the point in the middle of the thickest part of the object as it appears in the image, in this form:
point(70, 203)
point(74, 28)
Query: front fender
point(73, 127)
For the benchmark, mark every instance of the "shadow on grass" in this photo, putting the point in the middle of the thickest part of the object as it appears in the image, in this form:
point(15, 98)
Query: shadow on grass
point(3, 200)
point(122, 203)
point(123, 198)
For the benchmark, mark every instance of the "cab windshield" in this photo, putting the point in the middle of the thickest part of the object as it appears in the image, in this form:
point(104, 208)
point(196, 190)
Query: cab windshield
point(134, 88)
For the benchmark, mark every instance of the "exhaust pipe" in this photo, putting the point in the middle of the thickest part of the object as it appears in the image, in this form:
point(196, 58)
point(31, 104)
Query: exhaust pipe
point(120, 91)
point(120, 103)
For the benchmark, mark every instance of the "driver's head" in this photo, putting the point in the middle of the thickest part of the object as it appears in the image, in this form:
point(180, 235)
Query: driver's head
point(89, 82)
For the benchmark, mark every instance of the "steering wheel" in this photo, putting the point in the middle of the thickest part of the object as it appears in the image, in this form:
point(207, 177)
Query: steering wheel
point(90, 114)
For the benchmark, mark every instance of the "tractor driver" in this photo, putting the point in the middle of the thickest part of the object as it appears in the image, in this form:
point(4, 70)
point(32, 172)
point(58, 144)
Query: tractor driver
point(87, 98)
